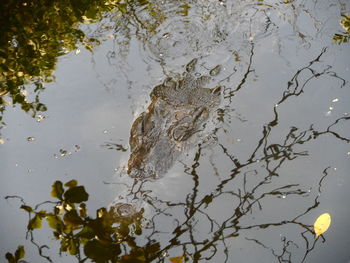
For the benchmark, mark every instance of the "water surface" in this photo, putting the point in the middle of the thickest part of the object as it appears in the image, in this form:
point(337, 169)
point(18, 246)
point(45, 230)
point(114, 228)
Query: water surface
point(272, 156)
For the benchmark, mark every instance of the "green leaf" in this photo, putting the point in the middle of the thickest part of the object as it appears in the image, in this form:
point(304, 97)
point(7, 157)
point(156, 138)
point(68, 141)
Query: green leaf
point(153, 248)
point(34, 223)
point(71, 183)
point(91, 13)
point(41, 214)
point(57, 190)
point(64, 244)
point(41, 107)
point(76, 195)
point(101, 252)
point(87, 232)
point(123, 230)
point(72, 247)
point(122, 7)
point(27, 208)
point(72, 218)
point(55, 222)
point(10, 258)
point(82, 210)
point(19, 253)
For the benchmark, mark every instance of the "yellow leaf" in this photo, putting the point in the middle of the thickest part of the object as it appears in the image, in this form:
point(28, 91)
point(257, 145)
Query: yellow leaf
point(176, 260)
point(322, 223)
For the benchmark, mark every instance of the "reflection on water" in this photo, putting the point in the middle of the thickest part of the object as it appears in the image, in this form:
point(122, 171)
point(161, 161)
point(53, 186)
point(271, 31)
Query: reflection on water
point(112, 235)
point(233, 156)
point(34, 35)
point(345, 35)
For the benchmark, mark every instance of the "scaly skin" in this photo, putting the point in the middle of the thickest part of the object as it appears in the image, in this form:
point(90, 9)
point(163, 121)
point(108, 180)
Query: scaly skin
point(178, 111)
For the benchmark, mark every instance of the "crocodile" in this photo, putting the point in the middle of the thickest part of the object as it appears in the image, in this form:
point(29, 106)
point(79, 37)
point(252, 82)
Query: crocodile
point(177, 114)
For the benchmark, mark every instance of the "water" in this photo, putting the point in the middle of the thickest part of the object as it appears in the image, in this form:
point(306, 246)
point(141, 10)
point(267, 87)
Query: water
point(274, 155)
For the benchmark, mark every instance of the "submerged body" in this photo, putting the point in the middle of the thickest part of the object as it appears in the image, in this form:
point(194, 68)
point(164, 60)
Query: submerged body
point(178, 112)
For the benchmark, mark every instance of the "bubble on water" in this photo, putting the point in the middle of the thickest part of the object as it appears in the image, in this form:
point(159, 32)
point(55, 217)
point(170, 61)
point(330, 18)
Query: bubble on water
point(335, 100)
point(29, 139)
point(2, 141)
point(348, 153)
point(40, 118)
point(284, 196)
point(105, 131)
point(64, 152)
point(166, 35)
point(330, 108)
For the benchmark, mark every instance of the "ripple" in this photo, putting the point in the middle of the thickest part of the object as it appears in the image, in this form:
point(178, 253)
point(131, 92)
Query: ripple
point(209, 27)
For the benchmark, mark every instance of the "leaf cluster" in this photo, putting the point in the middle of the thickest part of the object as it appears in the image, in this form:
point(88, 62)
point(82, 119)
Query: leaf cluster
point(16, 258)
point(33, 35)
point(345, 36)
point(100, 239)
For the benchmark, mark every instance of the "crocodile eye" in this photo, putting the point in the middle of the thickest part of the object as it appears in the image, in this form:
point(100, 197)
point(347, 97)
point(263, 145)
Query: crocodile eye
point(216, 91)
point(181, 133)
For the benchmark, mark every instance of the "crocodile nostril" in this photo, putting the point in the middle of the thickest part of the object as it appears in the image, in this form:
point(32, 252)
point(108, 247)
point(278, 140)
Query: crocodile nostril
point(215, 71)
point(191, 65)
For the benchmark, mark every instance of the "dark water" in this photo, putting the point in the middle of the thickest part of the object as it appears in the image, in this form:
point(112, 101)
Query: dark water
point(270, 158)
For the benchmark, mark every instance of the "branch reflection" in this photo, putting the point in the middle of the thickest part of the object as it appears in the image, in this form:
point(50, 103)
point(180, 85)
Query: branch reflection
point(201, 223)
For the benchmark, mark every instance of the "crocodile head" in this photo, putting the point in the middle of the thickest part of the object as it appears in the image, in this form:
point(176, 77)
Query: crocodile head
point(178, 112)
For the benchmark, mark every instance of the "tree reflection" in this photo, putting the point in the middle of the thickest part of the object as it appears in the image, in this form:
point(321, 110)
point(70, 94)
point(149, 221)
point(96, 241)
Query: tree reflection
point(198, 233)
point(36, 33)
point(33, 35)
point(345, 35)
point(135, 238)
point(100, 239)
